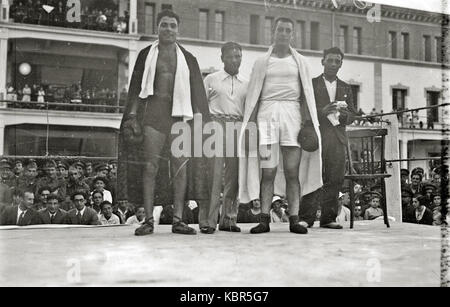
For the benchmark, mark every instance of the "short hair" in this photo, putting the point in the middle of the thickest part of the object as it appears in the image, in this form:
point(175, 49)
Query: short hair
point(97, 192)
point(167, 13)
point(31, 165)
point(333, 50)
point(104, 203)
point(230, 46)
point(78, 192)
point(282, 19)
point(42, 189)
point(53, 196)
point(99, 178)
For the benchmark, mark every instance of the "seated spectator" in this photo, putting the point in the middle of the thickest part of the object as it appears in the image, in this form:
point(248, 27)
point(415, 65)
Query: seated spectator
point(343, 213)
point(374, 210)
point(358, 214)
point(81, 215)
point(99, 185)
point(435, 201)
point(123, 211)
point(138, 218)
point(6, 195)
point(107, 216)
point(404, 176)
point(277, 213)
point(42, 194)
point(407, 206)
point(427, 191)
point(422, 215)
point(62, 171)
point(416, 182)
point(50, 179)
point(22, 214)
point(254, 214)
point(97, 199)
point(28, 180)
point(52, 214)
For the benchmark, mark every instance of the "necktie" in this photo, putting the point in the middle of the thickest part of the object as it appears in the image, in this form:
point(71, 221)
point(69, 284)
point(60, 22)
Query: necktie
point(79, 218)
point(52, 218)
point(19, 223)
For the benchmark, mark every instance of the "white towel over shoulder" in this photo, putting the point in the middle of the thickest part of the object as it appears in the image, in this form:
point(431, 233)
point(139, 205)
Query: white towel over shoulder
point(182, 106)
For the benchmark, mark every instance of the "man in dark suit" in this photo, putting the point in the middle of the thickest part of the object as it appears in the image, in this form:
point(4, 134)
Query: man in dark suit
point(81, 215)
point(335, 109)
point(23, 214)
point(52, 214)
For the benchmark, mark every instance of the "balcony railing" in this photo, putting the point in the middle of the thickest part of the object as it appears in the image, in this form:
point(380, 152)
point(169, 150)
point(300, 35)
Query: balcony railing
point(86, 105)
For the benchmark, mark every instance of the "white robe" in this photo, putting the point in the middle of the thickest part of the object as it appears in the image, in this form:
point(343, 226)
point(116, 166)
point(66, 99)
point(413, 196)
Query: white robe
point(310, 171)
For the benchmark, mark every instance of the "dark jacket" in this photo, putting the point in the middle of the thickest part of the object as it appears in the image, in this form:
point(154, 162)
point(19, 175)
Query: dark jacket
point(130, 158)
point(343, 93)
point(9, 217)
point(427, 218)
point(60, 217)
point(89, 217)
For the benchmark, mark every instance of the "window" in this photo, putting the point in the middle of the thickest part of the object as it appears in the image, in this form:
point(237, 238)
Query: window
point(405, 45)
point(355, 92)
point(268, 26)
point(203, 24)
point(433, 100)
point(357, 40)
point(166, 7)
point(393, 44)
point(438, 49)
point(300, 34)
point(343, 39)
point(254, 29)
point(220, 26)
point(315, 35)
point(398, 99)
point(427, 48)
point(149, 18)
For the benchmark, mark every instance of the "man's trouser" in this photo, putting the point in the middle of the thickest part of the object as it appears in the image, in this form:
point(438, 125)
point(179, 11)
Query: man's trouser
point(225, 174)
point(333, 170)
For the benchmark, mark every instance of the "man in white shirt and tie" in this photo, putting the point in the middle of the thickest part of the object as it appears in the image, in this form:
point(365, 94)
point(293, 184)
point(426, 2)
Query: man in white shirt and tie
point(226, 91)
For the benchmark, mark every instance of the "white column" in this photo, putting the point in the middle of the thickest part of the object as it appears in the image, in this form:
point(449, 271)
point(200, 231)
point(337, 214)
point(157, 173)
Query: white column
point(404, 153)
point(2, 139)
point(3, 64)
point(393, 188)
point(133, 17)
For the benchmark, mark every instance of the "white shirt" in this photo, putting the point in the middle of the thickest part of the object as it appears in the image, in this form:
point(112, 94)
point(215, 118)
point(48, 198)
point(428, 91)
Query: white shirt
point(19, 212)
point(226, 94)
point(106, 196)
point(344, 215)
point(113, 220)
point(132, 220)
point(282, 81)
point(331, 88)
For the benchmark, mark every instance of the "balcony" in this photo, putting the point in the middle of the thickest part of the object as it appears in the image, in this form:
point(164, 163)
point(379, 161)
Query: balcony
point(88, 15)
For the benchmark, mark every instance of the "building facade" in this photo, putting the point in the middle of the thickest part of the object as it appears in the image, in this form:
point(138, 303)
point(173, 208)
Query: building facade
point(392, 60)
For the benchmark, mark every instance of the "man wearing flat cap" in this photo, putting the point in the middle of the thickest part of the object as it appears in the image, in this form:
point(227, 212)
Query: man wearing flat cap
point(50, 179)
point(404, 176)
point(28, 179)
point(6, 175)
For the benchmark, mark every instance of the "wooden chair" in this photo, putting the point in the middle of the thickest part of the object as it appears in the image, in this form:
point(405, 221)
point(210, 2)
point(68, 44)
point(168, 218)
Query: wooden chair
point(368, 167)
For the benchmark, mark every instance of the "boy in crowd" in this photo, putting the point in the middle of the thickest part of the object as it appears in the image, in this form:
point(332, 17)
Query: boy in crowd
point(138, 218)
point(99, 185)
point(374, 210)
point(108, 217)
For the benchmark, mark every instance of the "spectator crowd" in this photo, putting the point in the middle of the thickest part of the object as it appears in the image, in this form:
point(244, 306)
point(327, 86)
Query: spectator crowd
point(101, 16)
point(35, 95)
point(54, 192)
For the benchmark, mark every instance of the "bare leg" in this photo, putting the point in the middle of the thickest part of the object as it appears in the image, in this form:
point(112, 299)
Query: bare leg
point(291, 164)
point(153, 145)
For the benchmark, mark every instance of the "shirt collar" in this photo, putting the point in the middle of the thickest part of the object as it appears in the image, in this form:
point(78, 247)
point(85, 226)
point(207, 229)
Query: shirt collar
point(226, 75)
point(20, 210)
point(82, 211)
point(325, 79)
